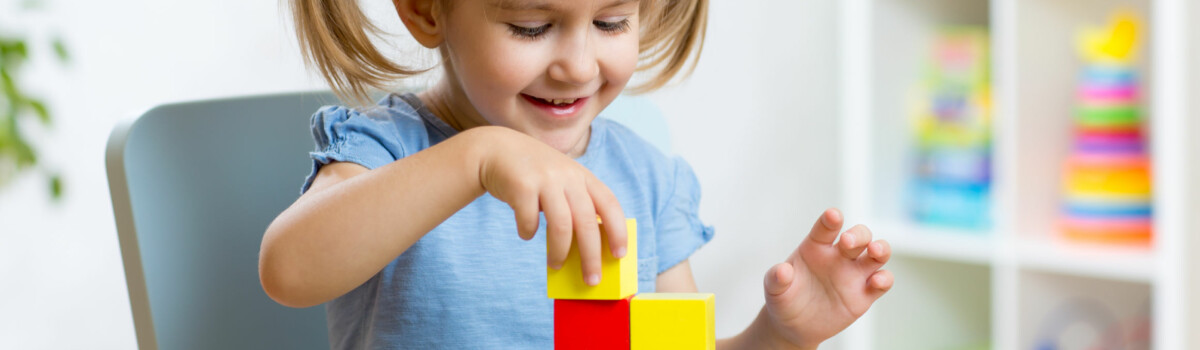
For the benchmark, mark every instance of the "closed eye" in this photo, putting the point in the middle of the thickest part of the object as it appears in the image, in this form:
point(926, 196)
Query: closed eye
point(612, 27)
point(528, 32)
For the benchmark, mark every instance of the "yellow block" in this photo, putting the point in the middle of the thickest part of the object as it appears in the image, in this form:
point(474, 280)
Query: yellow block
point(682, 321)
point(618, 278)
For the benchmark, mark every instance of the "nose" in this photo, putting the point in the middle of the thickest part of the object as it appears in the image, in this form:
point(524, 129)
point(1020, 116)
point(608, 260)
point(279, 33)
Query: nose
point(575, 62)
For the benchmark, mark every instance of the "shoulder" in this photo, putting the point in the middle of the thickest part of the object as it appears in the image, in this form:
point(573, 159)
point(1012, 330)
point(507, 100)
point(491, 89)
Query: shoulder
point(371, 136)
point(390, 118)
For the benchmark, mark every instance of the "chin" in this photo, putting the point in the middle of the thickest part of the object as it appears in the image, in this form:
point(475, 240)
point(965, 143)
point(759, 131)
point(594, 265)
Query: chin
point(565, 141)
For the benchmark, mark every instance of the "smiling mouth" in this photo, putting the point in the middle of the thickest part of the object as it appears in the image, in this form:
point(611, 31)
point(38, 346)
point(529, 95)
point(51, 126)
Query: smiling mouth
point(556, 102)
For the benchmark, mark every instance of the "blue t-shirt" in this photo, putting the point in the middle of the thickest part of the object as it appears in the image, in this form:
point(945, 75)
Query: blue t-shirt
point(472, 283)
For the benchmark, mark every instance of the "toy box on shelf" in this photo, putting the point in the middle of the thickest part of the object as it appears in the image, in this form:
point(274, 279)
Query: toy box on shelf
point(951, 184)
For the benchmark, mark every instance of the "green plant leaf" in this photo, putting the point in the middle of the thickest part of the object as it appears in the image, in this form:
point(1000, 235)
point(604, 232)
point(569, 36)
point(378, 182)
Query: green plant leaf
point(5, 138)
point(10, 88)
point(40, 110)
point(9, 125)
point(56, 186)
point(16, 153)
point(25, 154)
point(60, 50)
point(14, 52)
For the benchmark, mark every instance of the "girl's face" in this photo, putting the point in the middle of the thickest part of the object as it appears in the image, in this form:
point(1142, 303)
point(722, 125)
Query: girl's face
point(542, 67)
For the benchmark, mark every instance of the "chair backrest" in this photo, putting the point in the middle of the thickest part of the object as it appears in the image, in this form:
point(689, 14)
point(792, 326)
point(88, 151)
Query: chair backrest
point(194, 186)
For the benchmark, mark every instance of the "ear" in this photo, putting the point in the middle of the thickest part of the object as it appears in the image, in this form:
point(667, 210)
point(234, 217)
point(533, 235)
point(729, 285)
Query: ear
point(422, 17)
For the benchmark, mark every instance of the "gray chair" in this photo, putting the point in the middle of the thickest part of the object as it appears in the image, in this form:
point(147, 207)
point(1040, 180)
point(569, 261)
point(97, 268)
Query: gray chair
point(194, 186)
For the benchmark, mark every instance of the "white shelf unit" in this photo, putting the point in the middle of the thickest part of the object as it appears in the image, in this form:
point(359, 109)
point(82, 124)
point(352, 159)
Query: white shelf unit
point(1017, 283)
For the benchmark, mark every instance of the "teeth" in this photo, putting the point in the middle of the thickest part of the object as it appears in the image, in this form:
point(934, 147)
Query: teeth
point(563, 101)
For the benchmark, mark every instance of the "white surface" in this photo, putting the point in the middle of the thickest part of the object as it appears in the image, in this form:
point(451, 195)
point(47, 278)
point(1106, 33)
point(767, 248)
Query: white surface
point(1096, 261)
point(953, 245)
point(1192, 156)
point(1171, 177)
point(767, 78)
point(856, 102)
point(1006, 136)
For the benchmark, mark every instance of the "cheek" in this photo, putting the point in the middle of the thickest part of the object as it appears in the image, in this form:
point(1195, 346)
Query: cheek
point(500, 67)
point(492, 71)
point(619, 59)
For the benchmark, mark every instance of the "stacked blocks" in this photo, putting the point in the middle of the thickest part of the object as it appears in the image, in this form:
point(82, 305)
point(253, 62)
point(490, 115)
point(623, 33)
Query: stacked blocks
point(610, 315)
point(1107, 178)
point(673, 321)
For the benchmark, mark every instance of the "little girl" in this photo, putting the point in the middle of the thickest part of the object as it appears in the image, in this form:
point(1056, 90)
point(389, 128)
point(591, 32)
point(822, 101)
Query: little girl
point(405, 226)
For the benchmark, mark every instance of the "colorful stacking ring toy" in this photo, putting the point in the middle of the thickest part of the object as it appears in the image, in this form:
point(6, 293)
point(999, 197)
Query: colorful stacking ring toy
point(1107, 178)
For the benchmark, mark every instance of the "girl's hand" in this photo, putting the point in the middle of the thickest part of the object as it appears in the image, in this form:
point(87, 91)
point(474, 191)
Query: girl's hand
point(823, 288)
point(531, 176)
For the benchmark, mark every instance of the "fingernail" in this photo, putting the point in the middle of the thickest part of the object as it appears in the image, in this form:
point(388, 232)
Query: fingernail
point(620, 253)
point(593, 279)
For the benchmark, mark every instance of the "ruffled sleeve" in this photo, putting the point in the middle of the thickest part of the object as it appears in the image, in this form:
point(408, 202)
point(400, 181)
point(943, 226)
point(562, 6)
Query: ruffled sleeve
point(680, 231)
point(347, 135)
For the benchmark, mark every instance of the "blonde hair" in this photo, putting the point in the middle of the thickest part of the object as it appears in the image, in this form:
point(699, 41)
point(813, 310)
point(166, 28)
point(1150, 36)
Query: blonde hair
point(335, 37)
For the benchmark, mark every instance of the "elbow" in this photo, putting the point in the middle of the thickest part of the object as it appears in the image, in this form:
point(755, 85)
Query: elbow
point(280, 280)
point(287, 291)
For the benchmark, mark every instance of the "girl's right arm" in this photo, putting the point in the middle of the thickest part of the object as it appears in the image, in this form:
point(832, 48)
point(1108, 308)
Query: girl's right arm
point(352, 222)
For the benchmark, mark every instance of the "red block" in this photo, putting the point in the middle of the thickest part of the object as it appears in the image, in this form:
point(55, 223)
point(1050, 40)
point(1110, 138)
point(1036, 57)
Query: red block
point(591, 324)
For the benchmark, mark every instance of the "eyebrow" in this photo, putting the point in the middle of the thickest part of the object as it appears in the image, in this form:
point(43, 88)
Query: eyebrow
point(522, 5)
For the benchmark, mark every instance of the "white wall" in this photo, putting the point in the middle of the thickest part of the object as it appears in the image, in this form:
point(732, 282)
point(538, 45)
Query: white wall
point(757, 122)
point(767, 79)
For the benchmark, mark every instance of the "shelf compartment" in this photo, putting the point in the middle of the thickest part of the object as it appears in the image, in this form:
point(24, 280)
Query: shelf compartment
point(953, 301)
point(903, 36)
point(1065, 311)
point(1048, 67)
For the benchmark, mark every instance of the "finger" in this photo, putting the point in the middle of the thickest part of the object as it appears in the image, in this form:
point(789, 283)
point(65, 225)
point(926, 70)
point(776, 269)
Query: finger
point(587, 234)
point(878, 253)
point(525, 210)
point(611, 215)
point(879, 283)
point(558, 228)
point(778, 279)
point(854, 241)
point(826, 229)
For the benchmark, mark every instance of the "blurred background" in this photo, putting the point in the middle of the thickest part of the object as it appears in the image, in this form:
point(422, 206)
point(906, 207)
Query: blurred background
point(897, 111)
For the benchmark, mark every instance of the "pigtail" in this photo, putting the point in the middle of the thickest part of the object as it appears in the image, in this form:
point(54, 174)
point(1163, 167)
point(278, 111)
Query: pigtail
point(672, 38)
point(335, 37)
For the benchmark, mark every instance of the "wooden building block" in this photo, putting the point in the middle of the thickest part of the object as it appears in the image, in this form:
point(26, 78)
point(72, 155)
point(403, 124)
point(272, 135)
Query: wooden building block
point(682, 321)
point(591, 324)
point(618, 276)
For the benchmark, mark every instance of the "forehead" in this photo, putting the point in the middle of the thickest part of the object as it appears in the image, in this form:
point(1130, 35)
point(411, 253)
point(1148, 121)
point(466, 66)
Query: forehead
point(552, 5)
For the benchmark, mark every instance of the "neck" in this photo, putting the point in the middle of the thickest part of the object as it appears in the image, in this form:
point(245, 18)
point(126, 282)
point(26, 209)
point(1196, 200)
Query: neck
point(443, 101)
